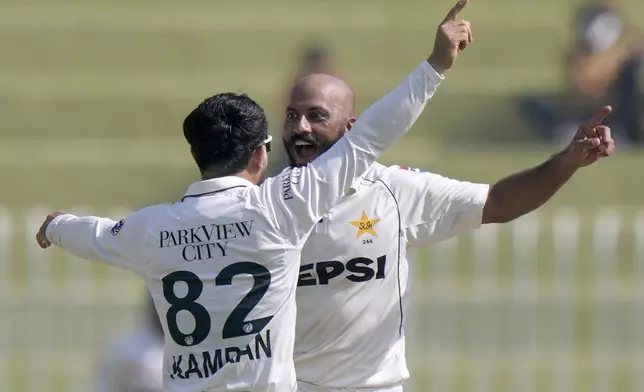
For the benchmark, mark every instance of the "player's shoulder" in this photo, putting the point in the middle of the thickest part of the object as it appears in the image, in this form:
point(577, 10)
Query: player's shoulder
point(392, 176)
point(291, 174)
point(369, 178)
point(395, 173)
point(146, 214)
point(282, 183)
point(372, 175)
point(403, 178)
point(141, 219)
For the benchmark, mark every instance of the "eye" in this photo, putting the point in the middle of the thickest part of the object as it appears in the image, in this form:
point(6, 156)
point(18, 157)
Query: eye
point(317, 116)
point(290, 116)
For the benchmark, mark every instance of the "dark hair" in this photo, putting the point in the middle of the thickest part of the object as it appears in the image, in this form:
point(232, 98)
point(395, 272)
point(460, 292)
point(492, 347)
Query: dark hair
point(224, 130)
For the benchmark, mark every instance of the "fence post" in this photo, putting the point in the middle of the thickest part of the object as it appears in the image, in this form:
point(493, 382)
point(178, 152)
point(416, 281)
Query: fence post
point(565, 239)
point(525, 238)
point(6, 293)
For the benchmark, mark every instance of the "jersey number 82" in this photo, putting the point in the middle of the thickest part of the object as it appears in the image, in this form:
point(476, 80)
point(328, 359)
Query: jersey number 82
point(235, 324)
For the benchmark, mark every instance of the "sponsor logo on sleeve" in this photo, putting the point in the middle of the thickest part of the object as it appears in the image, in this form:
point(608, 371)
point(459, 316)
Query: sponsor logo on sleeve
point(117, 227)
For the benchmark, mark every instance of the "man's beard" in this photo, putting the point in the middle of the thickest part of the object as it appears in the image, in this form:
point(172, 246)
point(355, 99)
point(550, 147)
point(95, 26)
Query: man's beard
point(290, 148)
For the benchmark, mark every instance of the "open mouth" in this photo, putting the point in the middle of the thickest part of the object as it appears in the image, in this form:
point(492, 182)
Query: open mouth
point(305, 151)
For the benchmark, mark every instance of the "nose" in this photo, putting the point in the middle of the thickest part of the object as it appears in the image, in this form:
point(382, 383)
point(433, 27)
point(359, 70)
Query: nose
point(302, 126)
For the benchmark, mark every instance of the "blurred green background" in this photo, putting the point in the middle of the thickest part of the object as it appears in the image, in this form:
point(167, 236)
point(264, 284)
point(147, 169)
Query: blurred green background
point(93, 94)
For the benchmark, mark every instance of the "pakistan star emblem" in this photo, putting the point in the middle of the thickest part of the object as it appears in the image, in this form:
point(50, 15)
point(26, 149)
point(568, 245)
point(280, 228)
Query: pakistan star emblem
point(365, 225)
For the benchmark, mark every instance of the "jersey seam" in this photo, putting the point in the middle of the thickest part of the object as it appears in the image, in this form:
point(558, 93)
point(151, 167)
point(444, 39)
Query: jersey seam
point(400, 231)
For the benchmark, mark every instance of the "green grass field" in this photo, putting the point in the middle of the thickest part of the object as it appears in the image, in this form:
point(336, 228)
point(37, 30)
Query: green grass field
point(92, 96)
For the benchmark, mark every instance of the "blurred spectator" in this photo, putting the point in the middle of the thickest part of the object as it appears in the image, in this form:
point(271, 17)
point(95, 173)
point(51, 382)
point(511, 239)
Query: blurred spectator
point(629, 98)
point(134, 362)
point(600, 69)
point(315, 59)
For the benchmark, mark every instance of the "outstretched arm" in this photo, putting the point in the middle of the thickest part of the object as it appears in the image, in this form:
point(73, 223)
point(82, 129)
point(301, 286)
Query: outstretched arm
point(526, 191)
point(98, 239)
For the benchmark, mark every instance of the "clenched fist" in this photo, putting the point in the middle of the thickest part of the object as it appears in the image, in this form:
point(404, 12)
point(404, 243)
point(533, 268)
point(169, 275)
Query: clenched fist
point(452, 37)
point(41, 238)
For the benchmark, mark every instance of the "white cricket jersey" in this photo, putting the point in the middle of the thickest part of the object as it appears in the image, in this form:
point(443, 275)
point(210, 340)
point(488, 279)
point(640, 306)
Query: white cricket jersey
point(222, 265)
point(353, 289)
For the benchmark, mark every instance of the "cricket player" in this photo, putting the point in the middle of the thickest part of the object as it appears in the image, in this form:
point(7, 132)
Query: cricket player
point(353, 289)
point(134, 362)
point(222, 263)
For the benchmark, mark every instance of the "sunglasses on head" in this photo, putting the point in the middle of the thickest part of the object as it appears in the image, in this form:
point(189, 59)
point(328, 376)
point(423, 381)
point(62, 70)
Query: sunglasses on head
point(267, 143)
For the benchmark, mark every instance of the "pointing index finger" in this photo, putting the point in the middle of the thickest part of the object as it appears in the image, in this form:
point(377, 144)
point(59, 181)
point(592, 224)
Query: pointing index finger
point(589, 128)
point(599, 117)
point(453, 13)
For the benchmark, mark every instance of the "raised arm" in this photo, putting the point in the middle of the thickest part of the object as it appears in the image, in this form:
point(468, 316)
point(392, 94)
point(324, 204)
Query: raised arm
point(299, 197)
point(523, 192)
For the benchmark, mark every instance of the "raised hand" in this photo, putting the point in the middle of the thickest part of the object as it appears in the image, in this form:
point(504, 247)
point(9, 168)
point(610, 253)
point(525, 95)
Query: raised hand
point(452, 37)
point(592, 141)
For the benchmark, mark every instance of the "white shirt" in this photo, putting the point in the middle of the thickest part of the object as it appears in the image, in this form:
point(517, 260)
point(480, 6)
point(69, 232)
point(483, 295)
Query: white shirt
point(353, 290)
point(133, 363)
point(222, 264)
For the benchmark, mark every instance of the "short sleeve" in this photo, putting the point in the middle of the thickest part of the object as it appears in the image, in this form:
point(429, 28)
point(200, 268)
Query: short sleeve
point(434, 208)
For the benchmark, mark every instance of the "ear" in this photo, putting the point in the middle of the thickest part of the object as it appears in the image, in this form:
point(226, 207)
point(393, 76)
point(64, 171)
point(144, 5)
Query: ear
point(352, 121)
point(257, 160)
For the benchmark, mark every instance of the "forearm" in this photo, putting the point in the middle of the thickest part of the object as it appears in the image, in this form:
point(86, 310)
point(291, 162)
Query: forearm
point(78, 235)
point(528, 190)
point(395, 113)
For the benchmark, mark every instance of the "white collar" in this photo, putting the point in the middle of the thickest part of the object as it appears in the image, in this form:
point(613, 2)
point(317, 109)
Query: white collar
point(201, 188)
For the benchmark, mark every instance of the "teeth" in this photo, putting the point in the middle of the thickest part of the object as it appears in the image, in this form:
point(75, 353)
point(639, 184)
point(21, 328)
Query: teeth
point(302, 143)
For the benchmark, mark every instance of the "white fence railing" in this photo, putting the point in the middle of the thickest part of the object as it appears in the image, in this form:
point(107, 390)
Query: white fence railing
point(551, 302)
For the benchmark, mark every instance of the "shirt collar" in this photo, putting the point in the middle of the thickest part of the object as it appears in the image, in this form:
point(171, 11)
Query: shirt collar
point(214, 185)
point(373, 172)
point(355, 187)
